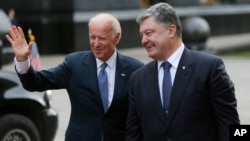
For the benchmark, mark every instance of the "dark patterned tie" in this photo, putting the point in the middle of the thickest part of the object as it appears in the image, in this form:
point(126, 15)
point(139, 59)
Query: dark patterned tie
point(103, 86)
point(166, 86)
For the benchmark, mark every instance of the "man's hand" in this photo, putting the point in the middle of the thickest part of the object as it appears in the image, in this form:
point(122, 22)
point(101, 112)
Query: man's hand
point(19, 44)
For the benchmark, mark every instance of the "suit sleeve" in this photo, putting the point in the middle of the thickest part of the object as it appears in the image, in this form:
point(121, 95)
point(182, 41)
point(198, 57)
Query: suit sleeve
point(53, 78)
point(223, 99)
point(134, 132)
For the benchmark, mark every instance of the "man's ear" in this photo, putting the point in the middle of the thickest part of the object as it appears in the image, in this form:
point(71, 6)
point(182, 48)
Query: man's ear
point(117, 38)
point(172, 31)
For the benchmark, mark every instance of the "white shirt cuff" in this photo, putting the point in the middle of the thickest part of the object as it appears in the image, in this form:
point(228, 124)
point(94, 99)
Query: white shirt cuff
point(22, 67)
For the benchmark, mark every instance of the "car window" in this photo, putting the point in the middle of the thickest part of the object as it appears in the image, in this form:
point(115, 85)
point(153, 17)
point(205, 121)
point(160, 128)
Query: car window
point(5, 23)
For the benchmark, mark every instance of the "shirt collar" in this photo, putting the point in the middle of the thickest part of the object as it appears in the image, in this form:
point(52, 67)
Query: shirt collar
point(110, 62)
point(174, 59)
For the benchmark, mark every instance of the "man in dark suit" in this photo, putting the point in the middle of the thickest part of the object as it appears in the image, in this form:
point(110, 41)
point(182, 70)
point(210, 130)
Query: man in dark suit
point(199, 103)
point(78, 74)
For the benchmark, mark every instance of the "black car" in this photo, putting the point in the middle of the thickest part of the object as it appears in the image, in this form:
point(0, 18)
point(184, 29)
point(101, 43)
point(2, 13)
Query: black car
point(24, 115)
point(6, 53)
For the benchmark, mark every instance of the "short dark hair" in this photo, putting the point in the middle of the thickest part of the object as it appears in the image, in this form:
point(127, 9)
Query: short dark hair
point(163, 13)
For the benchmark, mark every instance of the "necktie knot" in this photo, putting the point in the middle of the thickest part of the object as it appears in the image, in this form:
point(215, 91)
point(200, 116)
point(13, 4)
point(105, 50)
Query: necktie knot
point(103, 66)
point(166, 65)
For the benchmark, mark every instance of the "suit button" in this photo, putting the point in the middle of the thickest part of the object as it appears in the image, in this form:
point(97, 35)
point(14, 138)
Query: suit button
point(169, 139)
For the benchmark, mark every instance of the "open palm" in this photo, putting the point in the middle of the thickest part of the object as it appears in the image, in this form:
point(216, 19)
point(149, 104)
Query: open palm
point(19, 43)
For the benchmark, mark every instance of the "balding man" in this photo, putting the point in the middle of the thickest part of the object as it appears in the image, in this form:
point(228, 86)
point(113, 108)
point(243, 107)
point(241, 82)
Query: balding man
point(96, 81)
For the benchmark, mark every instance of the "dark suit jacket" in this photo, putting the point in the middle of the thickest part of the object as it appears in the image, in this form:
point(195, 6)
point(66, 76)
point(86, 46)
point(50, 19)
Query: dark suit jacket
point(78, 75)
point(202, 104)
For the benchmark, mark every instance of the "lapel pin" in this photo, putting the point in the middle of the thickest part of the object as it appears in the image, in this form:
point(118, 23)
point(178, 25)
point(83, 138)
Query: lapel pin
point(122, 74)
point(183, 67)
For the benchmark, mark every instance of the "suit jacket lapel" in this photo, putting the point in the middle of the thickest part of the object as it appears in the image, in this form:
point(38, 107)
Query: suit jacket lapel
point(182, 77)
point(153, 91)
point(121, 77)
point(89, 64)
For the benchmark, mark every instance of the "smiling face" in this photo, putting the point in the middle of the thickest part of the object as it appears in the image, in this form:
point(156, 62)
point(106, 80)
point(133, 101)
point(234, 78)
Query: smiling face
point(156, 38)
point(102, 39)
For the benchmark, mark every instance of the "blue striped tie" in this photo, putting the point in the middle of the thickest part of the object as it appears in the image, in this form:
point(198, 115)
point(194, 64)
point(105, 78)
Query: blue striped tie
point(166, 86)
point(103, 86)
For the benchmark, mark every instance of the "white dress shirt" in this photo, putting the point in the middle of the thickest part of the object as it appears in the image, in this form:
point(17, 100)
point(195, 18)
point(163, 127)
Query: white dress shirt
point(174, 60)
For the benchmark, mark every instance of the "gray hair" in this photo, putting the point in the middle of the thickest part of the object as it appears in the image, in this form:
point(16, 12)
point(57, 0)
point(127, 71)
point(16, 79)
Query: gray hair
point(163, 13)
point(116, 27)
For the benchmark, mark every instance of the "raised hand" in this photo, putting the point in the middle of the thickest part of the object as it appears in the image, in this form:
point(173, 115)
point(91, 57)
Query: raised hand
point(19, 44)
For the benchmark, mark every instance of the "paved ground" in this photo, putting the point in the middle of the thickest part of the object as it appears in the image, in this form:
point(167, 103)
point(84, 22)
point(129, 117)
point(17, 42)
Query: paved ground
point(238, 69)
